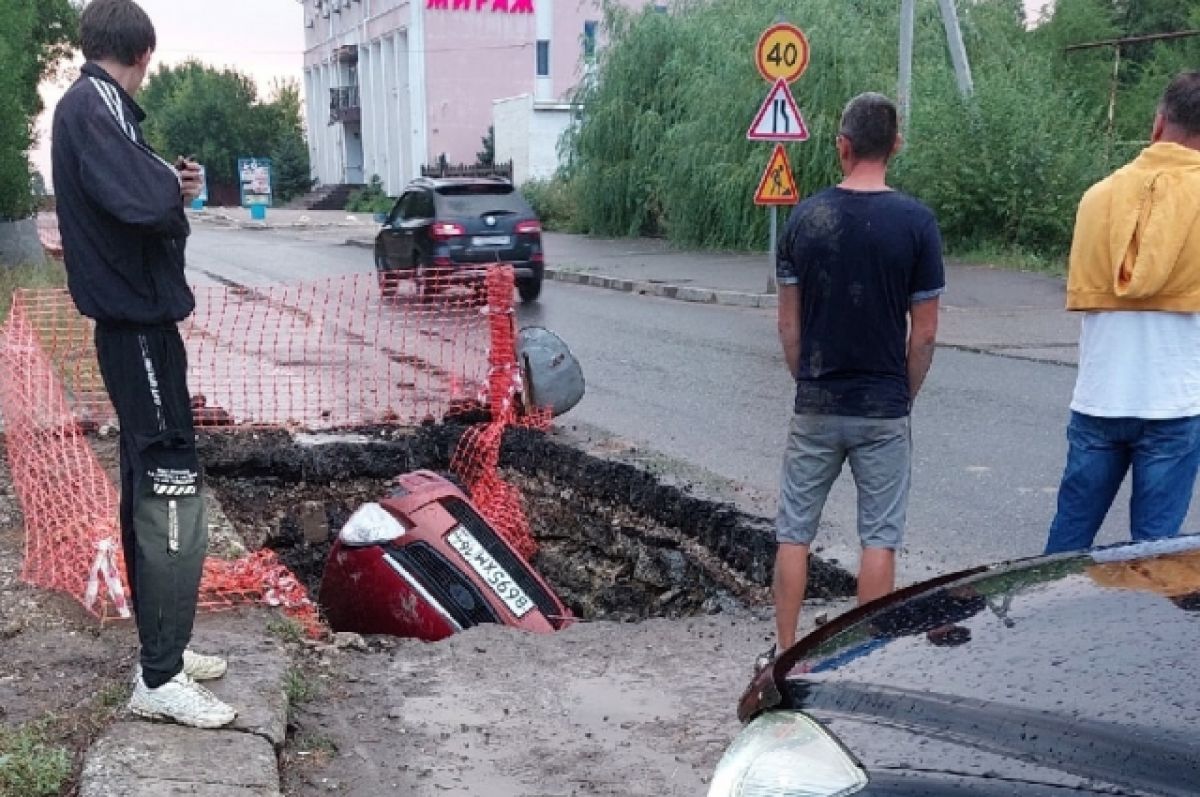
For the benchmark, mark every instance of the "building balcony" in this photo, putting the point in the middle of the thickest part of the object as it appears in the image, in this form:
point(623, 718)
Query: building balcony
point(344, 105)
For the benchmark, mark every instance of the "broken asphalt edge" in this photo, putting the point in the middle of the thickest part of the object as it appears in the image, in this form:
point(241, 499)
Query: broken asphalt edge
point(663, 290)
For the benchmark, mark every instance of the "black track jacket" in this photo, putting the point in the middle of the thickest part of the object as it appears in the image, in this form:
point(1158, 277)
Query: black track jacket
point(119, 209)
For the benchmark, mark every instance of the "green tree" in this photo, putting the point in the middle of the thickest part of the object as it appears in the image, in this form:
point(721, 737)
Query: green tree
point(35, 36)
point(291, 170)
point(487, 155)
point(217, 115)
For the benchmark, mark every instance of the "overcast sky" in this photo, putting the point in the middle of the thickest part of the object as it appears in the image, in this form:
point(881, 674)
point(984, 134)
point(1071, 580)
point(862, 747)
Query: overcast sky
point(264, 38)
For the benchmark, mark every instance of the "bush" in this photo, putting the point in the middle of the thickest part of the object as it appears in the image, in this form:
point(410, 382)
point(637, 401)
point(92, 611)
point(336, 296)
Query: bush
point(660, 146)
point(370, 199)
point(556, 203)
point(1007, 170)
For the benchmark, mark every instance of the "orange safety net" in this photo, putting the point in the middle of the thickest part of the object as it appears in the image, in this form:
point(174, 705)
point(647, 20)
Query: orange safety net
point(339, 353)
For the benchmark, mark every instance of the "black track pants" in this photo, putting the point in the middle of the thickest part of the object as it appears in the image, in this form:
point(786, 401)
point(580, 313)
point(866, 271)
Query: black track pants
point(164, 533)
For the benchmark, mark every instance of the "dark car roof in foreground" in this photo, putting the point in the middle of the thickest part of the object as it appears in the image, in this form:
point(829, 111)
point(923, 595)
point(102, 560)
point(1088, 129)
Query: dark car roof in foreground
point(1079, 671)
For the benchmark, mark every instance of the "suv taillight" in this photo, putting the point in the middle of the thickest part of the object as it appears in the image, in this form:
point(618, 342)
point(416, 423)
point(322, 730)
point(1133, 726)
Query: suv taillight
point(444, 229)
point(529, 226)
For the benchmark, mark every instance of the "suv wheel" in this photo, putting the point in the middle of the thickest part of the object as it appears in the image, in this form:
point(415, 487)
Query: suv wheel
point(530, 290)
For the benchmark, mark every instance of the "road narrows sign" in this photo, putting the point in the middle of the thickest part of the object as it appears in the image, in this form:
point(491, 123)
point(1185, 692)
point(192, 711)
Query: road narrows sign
point(782, 53)
point(779, 118)
point(778, 184)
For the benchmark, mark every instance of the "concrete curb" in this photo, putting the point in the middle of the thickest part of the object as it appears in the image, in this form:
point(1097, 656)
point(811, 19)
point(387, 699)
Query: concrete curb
point(663, 290)
point(136, 758)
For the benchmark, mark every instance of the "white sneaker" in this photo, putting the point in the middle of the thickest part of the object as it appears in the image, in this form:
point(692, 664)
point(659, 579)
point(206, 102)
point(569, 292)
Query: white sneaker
point(181, 700)
point(203, 668)
point(197, 666)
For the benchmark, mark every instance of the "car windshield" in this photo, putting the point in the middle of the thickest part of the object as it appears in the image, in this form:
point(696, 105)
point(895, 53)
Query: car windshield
point(471, 200)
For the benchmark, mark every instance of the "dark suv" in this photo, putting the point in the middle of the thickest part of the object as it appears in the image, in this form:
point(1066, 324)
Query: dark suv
point(446, 231)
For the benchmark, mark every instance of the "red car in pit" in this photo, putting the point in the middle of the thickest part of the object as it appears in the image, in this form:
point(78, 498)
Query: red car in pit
point(423, 563)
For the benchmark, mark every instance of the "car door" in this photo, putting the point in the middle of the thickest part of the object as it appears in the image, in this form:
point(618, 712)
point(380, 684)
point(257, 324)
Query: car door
point(419, 217)
point(395, 250)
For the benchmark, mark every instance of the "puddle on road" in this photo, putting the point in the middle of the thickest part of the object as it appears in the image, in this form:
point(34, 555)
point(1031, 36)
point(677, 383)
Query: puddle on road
point(615, 542)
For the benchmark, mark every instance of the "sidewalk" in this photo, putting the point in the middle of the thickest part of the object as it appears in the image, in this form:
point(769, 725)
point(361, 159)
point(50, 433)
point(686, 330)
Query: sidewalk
point(991, 310)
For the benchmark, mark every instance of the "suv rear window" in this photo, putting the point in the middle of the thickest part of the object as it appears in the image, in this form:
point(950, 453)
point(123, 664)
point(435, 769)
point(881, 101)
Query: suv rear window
point(476, 199)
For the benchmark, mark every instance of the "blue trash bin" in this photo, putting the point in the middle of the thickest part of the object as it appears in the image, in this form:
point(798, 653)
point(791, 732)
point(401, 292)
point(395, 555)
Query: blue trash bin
point(258, 212)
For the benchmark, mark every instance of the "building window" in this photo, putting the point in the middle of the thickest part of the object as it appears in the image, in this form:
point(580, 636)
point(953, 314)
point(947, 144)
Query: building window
point(589, 40)
point(543, 58)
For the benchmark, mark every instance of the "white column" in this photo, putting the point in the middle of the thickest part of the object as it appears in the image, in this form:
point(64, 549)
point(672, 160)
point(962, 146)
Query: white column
point(419, 112)
point(310, 121)
point(391, 179)
point(328, 164)
point(379, 151)
point(403, 110)
point(366, 79)
point(544, 22)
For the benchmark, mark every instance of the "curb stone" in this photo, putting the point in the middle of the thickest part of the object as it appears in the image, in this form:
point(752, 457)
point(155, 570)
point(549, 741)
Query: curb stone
point(139, 758)
point(665, 290)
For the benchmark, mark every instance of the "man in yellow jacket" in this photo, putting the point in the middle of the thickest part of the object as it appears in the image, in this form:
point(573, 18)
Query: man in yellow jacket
point(1135, 273)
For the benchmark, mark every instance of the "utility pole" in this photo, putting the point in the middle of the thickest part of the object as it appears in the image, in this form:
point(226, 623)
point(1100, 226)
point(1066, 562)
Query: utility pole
point(958, 52)
point(908, 24)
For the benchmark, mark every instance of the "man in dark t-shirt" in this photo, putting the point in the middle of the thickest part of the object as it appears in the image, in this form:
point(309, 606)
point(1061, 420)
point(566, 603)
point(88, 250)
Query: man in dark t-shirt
point(856, 264)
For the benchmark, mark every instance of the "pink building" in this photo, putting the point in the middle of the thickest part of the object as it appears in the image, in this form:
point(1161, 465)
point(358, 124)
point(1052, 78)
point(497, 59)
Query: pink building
point(392, 85)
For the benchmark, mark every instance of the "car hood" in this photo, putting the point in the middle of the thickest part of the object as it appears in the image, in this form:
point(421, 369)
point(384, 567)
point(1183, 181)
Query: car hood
point(1078, 671)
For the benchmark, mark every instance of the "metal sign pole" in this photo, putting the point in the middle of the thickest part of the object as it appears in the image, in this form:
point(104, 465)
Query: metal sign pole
point(771, 253)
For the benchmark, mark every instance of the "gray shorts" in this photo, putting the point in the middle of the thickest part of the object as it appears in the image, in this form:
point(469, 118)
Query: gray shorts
point(880, 454)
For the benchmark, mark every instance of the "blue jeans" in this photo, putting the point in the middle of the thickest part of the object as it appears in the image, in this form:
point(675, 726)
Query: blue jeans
point(1164, 454)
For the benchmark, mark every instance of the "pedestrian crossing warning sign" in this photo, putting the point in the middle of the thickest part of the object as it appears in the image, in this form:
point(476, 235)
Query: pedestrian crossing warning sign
point(778, 184)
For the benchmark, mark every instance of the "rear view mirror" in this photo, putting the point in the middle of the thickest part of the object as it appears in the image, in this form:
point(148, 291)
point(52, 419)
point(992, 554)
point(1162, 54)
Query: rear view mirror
point(552, 376)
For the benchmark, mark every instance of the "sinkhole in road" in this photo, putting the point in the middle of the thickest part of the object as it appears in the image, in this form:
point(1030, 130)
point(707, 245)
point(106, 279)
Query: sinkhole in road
point(615, 541)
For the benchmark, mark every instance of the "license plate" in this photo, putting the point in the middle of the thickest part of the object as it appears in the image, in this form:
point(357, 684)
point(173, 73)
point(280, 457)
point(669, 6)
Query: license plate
point(491, 240)
point(488, 569)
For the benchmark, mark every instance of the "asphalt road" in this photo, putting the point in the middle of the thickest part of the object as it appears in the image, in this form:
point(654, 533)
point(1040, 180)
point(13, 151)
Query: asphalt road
point(706, 386)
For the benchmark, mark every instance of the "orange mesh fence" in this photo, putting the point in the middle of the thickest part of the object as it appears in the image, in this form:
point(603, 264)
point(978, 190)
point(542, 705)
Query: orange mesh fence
point(338, 353)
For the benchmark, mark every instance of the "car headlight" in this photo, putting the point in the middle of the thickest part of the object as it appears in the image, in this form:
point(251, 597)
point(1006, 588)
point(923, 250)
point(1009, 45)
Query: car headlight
point(786, 754)
point(371, 524)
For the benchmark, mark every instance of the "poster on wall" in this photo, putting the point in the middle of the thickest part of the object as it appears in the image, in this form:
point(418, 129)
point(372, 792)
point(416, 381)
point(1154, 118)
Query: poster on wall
point(254, 176)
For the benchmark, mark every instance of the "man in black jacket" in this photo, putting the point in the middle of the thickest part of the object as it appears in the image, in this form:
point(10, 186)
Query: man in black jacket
point(120, 210)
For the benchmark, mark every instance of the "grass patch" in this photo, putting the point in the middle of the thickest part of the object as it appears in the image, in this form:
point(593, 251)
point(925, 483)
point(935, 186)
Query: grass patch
point(31, 763)
point(286, 629)
point(44, 758)
point(51, 275)
point(1013, 259)
point(300, 688)
point(314, 743)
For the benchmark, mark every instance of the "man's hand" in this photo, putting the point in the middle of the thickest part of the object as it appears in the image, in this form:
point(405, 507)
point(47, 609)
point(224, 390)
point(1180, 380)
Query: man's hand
point(789, 326)
point(189, 178)
point(922, 339)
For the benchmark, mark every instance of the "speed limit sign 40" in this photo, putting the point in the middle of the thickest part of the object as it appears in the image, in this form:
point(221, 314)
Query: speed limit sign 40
point(782, 53)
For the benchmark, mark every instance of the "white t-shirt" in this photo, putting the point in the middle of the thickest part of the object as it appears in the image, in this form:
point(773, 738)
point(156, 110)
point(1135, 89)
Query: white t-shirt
point(1140, 364)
